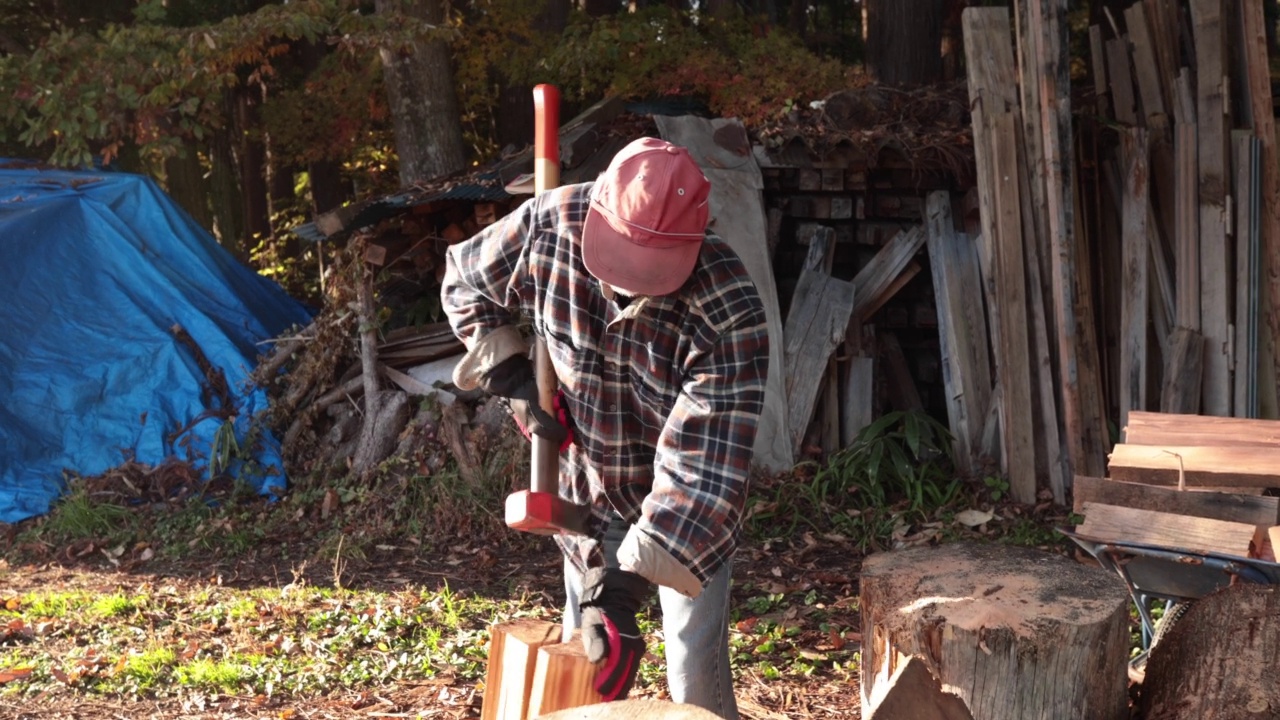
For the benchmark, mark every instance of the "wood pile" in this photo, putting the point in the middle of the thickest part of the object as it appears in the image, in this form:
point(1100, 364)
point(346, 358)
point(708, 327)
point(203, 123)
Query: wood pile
point(1184, 156)
point(1192, 483)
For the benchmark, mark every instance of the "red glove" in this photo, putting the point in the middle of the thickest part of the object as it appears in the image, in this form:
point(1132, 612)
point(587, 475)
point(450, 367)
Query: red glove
point(610, 635)
point(513, 379)
point(530, 416)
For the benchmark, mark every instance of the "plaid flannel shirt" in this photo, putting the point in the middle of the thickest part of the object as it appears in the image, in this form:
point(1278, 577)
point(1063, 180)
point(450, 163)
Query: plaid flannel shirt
point(664, 394)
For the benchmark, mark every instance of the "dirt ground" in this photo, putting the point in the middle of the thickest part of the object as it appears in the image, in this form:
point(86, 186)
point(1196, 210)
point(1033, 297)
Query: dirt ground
point(534, 569)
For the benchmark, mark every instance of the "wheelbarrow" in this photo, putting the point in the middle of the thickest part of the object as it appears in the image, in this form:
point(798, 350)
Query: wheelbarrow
point(1176, 576)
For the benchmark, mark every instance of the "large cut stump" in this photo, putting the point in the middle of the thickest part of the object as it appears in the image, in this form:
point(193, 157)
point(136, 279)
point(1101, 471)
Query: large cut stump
point(1220, 660)
point(1016, 634)
point(633, 710)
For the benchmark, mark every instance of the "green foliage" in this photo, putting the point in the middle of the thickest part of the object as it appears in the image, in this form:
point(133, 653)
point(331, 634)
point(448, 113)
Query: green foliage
point(81, 95)
point(897, 470)
point(660, 52)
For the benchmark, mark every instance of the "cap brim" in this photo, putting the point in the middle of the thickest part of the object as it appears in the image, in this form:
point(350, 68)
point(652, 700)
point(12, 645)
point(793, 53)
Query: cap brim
point(634, 269)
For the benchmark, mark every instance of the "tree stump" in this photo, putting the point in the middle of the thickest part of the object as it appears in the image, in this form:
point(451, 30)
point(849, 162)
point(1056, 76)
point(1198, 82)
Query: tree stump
point(1015, 633)
point(1220, 660)
point(633, 710)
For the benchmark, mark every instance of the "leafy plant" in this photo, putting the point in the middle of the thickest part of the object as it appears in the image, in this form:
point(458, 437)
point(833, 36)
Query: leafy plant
point(898, 468)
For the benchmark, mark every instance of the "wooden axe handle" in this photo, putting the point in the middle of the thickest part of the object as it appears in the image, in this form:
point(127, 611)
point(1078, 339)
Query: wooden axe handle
point(546, 174)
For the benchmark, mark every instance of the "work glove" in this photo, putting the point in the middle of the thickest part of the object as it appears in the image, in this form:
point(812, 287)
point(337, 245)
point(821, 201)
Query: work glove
point(514, 380)
point(609, 603)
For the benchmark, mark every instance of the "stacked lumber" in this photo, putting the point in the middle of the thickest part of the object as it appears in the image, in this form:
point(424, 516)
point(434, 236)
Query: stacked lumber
point(1045, 393)
point(1186, 159)
point(1190, 482)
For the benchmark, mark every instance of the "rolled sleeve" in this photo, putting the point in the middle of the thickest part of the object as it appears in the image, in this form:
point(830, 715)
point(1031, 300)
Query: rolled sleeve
point(485, 276)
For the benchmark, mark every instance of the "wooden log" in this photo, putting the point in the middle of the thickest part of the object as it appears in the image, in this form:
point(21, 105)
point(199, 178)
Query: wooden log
point(513, 656)
point(1212, 122)
point(1136, 249)
point(564, 678)
point(637, 709)
point(1113, 523)
point(914, 692)
point(962, 328)
point(1015, 633)
point(1220, 660)
point(1231, 507)
point(1205, 466)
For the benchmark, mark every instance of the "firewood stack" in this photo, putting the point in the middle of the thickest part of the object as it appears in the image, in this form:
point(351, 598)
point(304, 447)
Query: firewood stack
point(1187, 482)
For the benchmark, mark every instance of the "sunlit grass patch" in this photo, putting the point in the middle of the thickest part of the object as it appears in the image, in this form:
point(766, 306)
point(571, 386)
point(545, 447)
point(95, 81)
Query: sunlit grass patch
point(143, 670)
point(53, 604)
point(221, 675)
point(107, 606)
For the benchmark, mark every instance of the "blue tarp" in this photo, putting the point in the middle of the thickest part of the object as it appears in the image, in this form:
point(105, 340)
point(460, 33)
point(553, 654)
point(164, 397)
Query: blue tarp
point(96, 270)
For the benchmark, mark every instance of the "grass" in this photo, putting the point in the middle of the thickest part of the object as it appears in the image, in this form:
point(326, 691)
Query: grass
point(295, 639)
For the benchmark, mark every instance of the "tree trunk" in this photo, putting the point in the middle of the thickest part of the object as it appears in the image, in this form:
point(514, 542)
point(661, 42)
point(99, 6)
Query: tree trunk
point(515, 104)
point(1220, 660)
point(185, 183)
point(424, 106)
point(328, 188)
point(904, 41)
point(253, 166)
point(228, 210)
point(1014, 633)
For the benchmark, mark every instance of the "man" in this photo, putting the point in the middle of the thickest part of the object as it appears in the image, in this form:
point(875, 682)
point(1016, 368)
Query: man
point(659, 342)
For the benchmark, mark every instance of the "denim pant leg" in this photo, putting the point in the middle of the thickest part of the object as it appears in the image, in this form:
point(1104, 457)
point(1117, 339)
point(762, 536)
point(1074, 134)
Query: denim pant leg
point(696, 632)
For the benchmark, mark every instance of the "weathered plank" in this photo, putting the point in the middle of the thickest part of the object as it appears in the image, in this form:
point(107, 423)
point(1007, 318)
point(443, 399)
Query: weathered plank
point(1183, 370)
point(876, 282)
point(1209, 29)
point(859, 398)
point(993, 98)
point(816, 323)
point(1244, 153)
point(1231, 507)
point(1136, 250)
point(1080, 379)
point(902, 391)
point(1268, 212)
point(1120, 81)
point(1187, 236)
point(962, 328)
point(1016, 419)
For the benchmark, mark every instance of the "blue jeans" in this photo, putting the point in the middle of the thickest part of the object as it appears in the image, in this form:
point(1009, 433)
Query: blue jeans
point(696, 632)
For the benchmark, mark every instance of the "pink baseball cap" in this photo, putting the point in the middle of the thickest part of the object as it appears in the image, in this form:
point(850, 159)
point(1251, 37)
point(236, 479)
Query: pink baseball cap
point(647, 219)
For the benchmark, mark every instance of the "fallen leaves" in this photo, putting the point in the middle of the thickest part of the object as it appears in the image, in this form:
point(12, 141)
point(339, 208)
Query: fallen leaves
point(8, 675)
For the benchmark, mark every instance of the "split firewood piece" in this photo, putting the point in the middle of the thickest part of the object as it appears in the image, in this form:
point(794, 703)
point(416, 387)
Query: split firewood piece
point(513, 656)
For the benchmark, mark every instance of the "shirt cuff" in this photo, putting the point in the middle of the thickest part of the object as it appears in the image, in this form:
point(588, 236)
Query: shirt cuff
point(488, 351)
point(642, 555)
